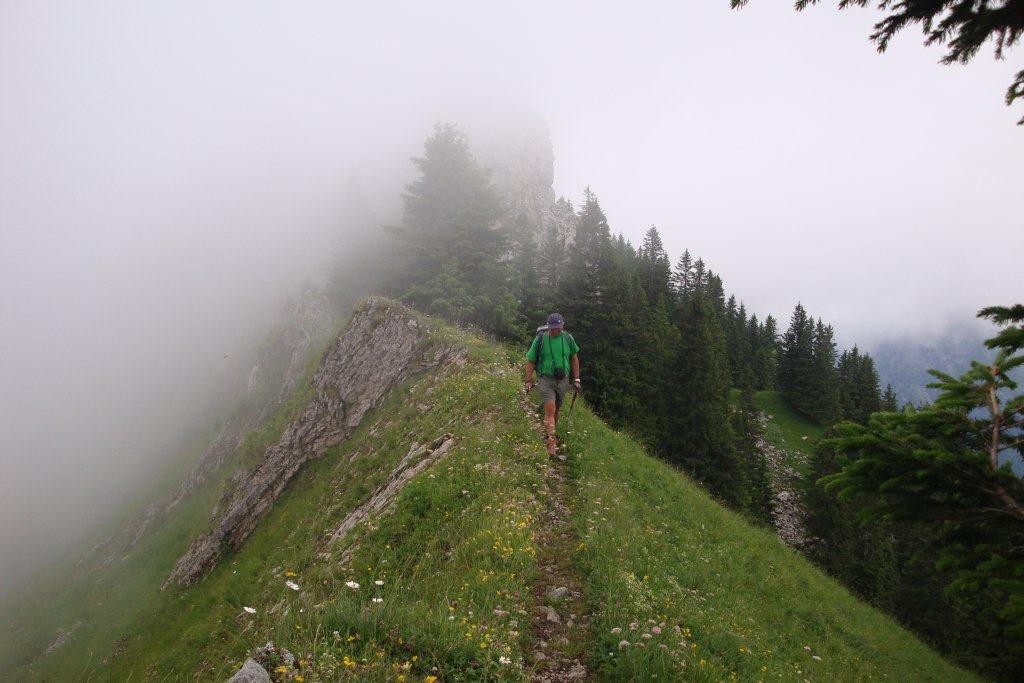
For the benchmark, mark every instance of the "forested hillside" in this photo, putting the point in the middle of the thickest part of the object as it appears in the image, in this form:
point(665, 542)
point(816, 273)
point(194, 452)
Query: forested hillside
point(664, 343)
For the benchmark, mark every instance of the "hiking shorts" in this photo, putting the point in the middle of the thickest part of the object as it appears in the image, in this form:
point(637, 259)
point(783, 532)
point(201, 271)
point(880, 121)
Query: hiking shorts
point(551, 389)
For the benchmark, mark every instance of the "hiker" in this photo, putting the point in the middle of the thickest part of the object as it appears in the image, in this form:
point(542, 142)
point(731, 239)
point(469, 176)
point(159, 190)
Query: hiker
point(553, 355)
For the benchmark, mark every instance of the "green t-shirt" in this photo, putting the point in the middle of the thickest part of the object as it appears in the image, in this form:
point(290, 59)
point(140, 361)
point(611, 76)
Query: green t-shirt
point(555, 353)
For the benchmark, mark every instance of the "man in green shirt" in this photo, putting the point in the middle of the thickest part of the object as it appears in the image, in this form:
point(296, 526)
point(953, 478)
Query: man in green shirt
point(553, 355)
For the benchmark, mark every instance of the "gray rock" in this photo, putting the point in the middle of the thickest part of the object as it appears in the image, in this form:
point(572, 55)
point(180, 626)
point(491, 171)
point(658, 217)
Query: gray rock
point(251, 672)
point(352, 379)
point(551, 615)
point(308, 323)
point(556, 593)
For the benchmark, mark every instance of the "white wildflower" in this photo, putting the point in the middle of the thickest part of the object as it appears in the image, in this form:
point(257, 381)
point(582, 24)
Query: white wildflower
point(378, 599)
point(378, 582)
point(250, 610)
point(504, 660)
point(291, 584)
point(352, 584)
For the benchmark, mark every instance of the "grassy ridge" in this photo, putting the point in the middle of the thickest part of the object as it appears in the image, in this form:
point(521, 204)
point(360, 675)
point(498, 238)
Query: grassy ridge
point(717, 598)
point(456, 555)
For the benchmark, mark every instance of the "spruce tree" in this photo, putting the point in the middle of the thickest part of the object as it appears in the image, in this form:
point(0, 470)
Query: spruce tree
point(452, 238)
point(889, 401)
point(682, 276)
point(757, 493)
point(824, 406)
point(796, 362)
point(699, 435)
point(655, 273)
point(947, 466)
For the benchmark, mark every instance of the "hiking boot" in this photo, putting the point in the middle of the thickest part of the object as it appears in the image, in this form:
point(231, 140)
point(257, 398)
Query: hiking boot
point(552, 446)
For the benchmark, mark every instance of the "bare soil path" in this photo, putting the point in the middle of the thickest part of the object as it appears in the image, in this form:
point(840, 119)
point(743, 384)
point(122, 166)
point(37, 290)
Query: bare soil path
point(559, 622)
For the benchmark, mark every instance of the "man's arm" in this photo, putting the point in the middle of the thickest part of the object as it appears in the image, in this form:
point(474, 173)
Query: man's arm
point(575, 367)
point(529, 371)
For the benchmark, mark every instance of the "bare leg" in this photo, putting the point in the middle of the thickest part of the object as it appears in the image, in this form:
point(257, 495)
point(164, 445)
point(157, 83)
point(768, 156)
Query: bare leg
point(550, 417)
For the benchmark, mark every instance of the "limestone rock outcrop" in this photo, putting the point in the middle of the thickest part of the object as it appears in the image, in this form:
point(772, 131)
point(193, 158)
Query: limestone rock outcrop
point(381, 347)
point(307, 325)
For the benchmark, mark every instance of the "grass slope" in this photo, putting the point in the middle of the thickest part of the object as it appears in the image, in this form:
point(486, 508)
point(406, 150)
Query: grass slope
point(682, 588)
point(456, 556)
point(787, 428)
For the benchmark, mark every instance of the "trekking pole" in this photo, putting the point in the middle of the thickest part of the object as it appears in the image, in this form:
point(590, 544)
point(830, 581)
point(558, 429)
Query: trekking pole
point(575, 393)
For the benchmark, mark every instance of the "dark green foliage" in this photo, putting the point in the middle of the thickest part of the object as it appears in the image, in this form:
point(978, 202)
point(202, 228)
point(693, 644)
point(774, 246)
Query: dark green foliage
point(944, 467)
point(858, 386)
point(862, 557)
point(824, 382)
point(601, 297)
point(756, 499)
point(889, 402)
point(1011, 337)
point(655, 273)
point(699, 437)
point(796, 362)
point(764, 349)
point(891, 564)
point(962, 25)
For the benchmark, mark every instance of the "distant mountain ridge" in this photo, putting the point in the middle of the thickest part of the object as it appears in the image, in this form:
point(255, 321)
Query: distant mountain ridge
point(904, 362)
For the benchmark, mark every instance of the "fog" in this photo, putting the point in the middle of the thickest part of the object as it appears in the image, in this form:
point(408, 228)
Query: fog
point(170, 174)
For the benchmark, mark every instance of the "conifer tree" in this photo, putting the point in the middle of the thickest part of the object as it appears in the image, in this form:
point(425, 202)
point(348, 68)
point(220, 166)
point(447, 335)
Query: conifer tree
point(889, 402)
point(655, 272)
point(858, 386)
point(825, 406)
point(532, 295)
point(766, 354)
point(682, 276)
point(699, 436)
point(796, 362)
point(451, 235)
point(603, 301)
point(757, 494)
point(946, 466)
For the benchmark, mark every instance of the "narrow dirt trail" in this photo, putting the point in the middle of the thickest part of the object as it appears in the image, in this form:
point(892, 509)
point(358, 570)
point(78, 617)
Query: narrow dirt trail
point(560, 623)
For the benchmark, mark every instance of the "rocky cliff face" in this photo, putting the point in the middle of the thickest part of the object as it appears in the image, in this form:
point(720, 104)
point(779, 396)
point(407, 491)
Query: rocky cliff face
point(521, 160)
point(306, 327)
point(381, 347)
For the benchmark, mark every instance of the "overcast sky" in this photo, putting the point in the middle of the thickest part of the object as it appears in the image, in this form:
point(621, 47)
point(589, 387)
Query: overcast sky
point(169, 171)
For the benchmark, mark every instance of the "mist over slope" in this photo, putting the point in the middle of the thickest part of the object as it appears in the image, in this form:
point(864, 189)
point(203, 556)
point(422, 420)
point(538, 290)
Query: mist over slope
point(435, 540)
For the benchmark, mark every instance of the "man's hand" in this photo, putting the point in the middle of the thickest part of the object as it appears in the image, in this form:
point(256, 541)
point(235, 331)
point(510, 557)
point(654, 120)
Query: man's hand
point(527, 385)
point(576, 384)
